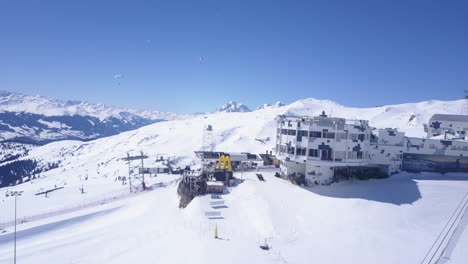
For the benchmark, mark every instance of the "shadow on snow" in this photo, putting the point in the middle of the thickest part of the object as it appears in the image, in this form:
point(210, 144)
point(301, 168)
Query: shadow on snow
point(398, 189)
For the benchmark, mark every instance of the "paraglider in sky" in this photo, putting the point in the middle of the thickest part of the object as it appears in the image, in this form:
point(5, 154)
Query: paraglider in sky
point(200, 59)
point(118, 77)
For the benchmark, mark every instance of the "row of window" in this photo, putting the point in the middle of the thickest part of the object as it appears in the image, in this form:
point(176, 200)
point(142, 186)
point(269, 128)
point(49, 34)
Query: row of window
point(453, 147)
point(324, 134)
point(324, 154)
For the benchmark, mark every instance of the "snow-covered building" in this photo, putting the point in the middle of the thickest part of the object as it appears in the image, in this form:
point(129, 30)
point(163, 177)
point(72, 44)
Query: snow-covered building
point(321, 149)
point(448, 126)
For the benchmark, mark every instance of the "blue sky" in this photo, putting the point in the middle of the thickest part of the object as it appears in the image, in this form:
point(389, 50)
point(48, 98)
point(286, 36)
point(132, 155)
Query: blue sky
point(357, 53)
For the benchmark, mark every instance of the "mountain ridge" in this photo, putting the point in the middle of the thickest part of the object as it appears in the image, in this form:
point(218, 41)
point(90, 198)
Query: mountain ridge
point(49, 106)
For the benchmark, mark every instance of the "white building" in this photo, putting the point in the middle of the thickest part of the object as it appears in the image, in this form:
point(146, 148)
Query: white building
point(320, 149)
point(447, 126)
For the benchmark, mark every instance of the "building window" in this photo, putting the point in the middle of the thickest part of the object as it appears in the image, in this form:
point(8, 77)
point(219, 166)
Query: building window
point(353, 137)
point(313, 152)
point(282, 149)
point(300, 134)
point(303, 133)
point(291, 150)
point(359, 154)
point(355, 155)
point(340, 155)
point(301, 151)
point(284, 131)
point(328, 134)
point(341, 135)
point(291, 132)
point(326, 154)
point(361, 137)
point(315, 134)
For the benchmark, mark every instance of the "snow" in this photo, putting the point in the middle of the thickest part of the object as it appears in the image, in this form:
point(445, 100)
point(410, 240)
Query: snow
point(54, 124)
point(233, 106)
point(16, 102)
point(264, 106)
point(210, 183)
point(376, 221)
point(456, 252)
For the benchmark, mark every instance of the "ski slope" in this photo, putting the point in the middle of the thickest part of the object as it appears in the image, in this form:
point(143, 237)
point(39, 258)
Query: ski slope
point(378, 221)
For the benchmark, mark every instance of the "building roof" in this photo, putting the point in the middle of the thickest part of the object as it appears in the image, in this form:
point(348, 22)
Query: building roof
point(456, 118)
point(211, 183)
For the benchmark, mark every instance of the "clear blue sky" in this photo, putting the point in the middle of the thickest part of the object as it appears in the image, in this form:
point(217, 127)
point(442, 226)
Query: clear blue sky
point(357, 53)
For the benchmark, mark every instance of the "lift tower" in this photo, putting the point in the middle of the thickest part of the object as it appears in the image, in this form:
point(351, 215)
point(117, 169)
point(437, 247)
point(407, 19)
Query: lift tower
point(135, 165)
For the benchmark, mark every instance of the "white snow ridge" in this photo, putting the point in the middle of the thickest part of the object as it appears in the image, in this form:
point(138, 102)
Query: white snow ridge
point(233, 106)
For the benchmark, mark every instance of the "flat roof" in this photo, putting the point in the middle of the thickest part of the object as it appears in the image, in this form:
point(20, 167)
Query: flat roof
point(457, 118)
point(211, 183)
point(319, 118)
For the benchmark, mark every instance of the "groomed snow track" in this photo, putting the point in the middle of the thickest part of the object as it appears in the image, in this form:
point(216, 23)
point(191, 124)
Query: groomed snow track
point(436, 252)
point(69, 209)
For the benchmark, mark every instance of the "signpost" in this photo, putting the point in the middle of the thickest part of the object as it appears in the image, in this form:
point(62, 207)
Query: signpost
point(16, 194)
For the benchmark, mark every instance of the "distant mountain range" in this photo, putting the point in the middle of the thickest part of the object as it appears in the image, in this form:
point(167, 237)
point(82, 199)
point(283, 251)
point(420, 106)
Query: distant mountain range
point(40, 120)
point(275, 105)
point(233, 106)
point(36, 104)
point(36, 119)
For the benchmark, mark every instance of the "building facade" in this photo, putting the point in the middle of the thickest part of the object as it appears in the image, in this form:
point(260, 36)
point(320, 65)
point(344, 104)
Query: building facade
point(447, 126)
point(321, 149)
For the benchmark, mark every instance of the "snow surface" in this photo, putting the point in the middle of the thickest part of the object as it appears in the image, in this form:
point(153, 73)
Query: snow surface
point(16, 102)
point(233, 106)
point(233, 132)
point(394, 220)
point(263, 106)
point(380, 221)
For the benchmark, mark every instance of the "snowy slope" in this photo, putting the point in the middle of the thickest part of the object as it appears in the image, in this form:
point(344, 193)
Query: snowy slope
point(11, 150)
point(231, 132)
point(395, 220)
point(17, 102)
point(365, 222)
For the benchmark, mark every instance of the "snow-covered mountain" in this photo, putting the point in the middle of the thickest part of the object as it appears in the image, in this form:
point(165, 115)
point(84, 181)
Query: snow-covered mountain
point(233, 107)
point(263, 106)
point(40, 129)
point(291, 219)
point(39, 120)
point(238, 132)
point(35, 104)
